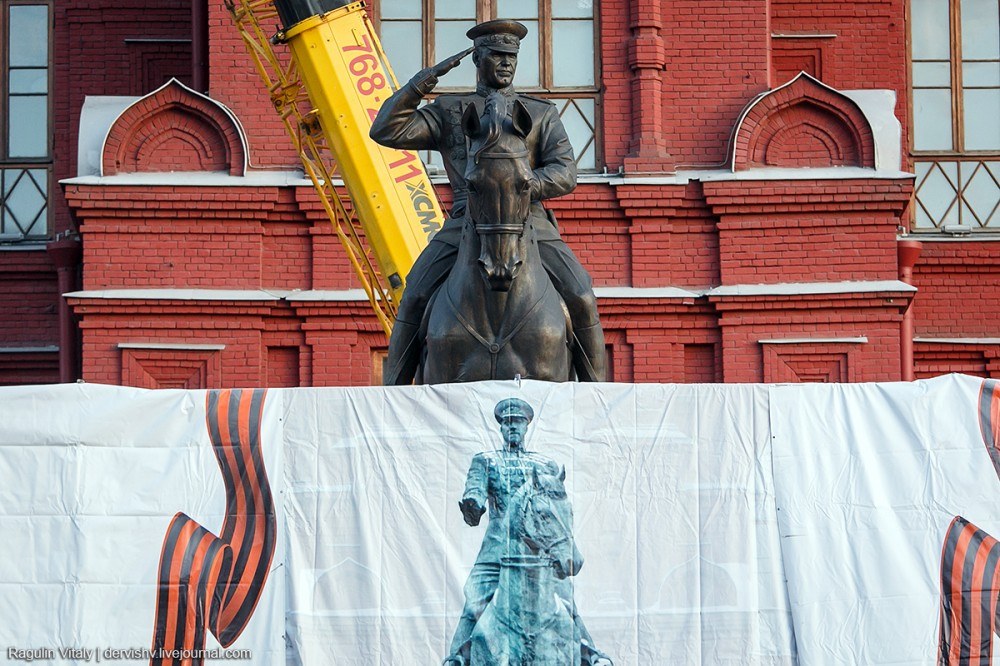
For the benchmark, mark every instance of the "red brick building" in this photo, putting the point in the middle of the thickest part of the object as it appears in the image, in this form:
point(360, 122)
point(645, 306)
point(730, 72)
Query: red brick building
point(743, 222)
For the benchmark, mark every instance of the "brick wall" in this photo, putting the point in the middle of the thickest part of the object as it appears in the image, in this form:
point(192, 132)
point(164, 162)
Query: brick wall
point(959, 283)
point(807, 231)
point(717, 55)
point(98, 49)
point(29, 319)
point(234, 82)
point(824, 337)
point(160, 344)
point(675, 78)
point(864, 43)
point(103, 49)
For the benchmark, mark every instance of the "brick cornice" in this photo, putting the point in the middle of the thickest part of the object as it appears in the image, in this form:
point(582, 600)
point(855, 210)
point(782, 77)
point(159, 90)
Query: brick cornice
point(650, 306)
point(649, 200)
point(28, 263)
point(333, 314)
point(760, 197)
point(211, 309)
point(895, 300)
point(966, 256)
point(131, 201)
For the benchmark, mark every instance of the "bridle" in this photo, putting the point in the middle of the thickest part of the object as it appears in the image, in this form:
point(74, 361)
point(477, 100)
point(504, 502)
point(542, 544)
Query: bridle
point(517, 228)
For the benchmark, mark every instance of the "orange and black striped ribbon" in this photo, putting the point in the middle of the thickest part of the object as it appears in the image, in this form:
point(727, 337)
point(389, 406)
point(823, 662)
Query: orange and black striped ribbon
point(214, 582)
point(989, 419)
point(970, 567)
point(969, 593)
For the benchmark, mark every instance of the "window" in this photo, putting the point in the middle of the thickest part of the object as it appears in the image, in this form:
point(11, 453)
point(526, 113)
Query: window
point(955, 78)
point(558, 58)
point(25, 144)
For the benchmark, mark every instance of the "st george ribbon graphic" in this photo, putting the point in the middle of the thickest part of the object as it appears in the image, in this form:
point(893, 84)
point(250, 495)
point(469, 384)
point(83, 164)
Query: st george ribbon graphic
point(970, 566)
point(214, 582)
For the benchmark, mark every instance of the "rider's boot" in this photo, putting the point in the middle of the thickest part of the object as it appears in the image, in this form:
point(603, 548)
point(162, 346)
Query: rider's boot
point(590, 356)
point(401, 361)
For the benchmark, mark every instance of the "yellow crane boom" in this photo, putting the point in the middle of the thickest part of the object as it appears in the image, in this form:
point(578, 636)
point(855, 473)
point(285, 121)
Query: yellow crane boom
point(327, 95)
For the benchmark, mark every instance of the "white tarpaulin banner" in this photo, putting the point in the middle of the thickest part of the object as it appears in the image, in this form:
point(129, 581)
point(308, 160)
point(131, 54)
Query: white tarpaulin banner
point(874, 483)
point(716, 523)
point(91, 478)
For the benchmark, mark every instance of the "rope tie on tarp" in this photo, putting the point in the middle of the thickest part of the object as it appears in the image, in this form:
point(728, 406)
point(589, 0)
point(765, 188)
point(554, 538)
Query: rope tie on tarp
point(209, 582)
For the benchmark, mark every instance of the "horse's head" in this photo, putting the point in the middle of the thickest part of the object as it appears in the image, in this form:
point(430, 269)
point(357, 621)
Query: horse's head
point(544, 522)
point(499, 179)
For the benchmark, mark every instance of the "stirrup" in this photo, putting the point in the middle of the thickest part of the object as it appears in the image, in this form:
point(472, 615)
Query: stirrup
point(453, 659)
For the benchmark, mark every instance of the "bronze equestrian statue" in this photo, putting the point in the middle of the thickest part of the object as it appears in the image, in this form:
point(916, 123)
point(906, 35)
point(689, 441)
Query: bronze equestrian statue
point(438, 126)
point(497, 314)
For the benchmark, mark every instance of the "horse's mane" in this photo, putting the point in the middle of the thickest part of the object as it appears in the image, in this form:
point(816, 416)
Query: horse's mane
point(496, 113)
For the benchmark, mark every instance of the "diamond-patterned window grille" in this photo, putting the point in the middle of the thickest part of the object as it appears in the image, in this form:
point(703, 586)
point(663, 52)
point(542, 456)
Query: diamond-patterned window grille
point(965, 193)
point(24, 204)
point(577, 114)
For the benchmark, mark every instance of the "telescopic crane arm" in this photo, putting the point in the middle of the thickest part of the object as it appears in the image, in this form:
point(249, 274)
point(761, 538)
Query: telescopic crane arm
point(327, 97)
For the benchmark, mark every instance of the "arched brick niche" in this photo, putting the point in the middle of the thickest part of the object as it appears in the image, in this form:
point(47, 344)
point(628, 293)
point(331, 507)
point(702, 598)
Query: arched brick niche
point(174, 128)
point(803, 123)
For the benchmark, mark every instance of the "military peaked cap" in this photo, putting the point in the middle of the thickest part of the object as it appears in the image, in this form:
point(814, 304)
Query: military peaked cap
point(501, 35)
point(513, 408)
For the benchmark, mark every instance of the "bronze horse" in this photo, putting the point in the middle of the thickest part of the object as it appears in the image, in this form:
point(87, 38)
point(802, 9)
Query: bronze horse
point(497, 314)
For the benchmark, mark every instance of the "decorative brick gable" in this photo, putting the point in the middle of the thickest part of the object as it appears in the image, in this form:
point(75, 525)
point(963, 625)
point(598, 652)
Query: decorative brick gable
point(803, 123)
point(174, 129)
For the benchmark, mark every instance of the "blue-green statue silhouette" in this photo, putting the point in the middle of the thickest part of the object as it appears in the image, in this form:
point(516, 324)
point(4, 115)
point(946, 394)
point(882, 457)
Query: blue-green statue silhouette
point(519, 607)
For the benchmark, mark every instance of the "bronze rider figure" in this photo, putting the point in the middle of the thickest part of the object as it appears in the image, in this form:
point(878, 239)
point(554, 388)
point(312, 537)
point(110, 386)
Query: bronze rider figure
point(437, 126)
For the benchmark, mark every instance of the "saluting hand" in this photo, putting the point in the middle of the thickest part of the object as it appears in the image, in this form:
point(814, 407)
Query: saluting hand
point(427, 78)
point(451, 63)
